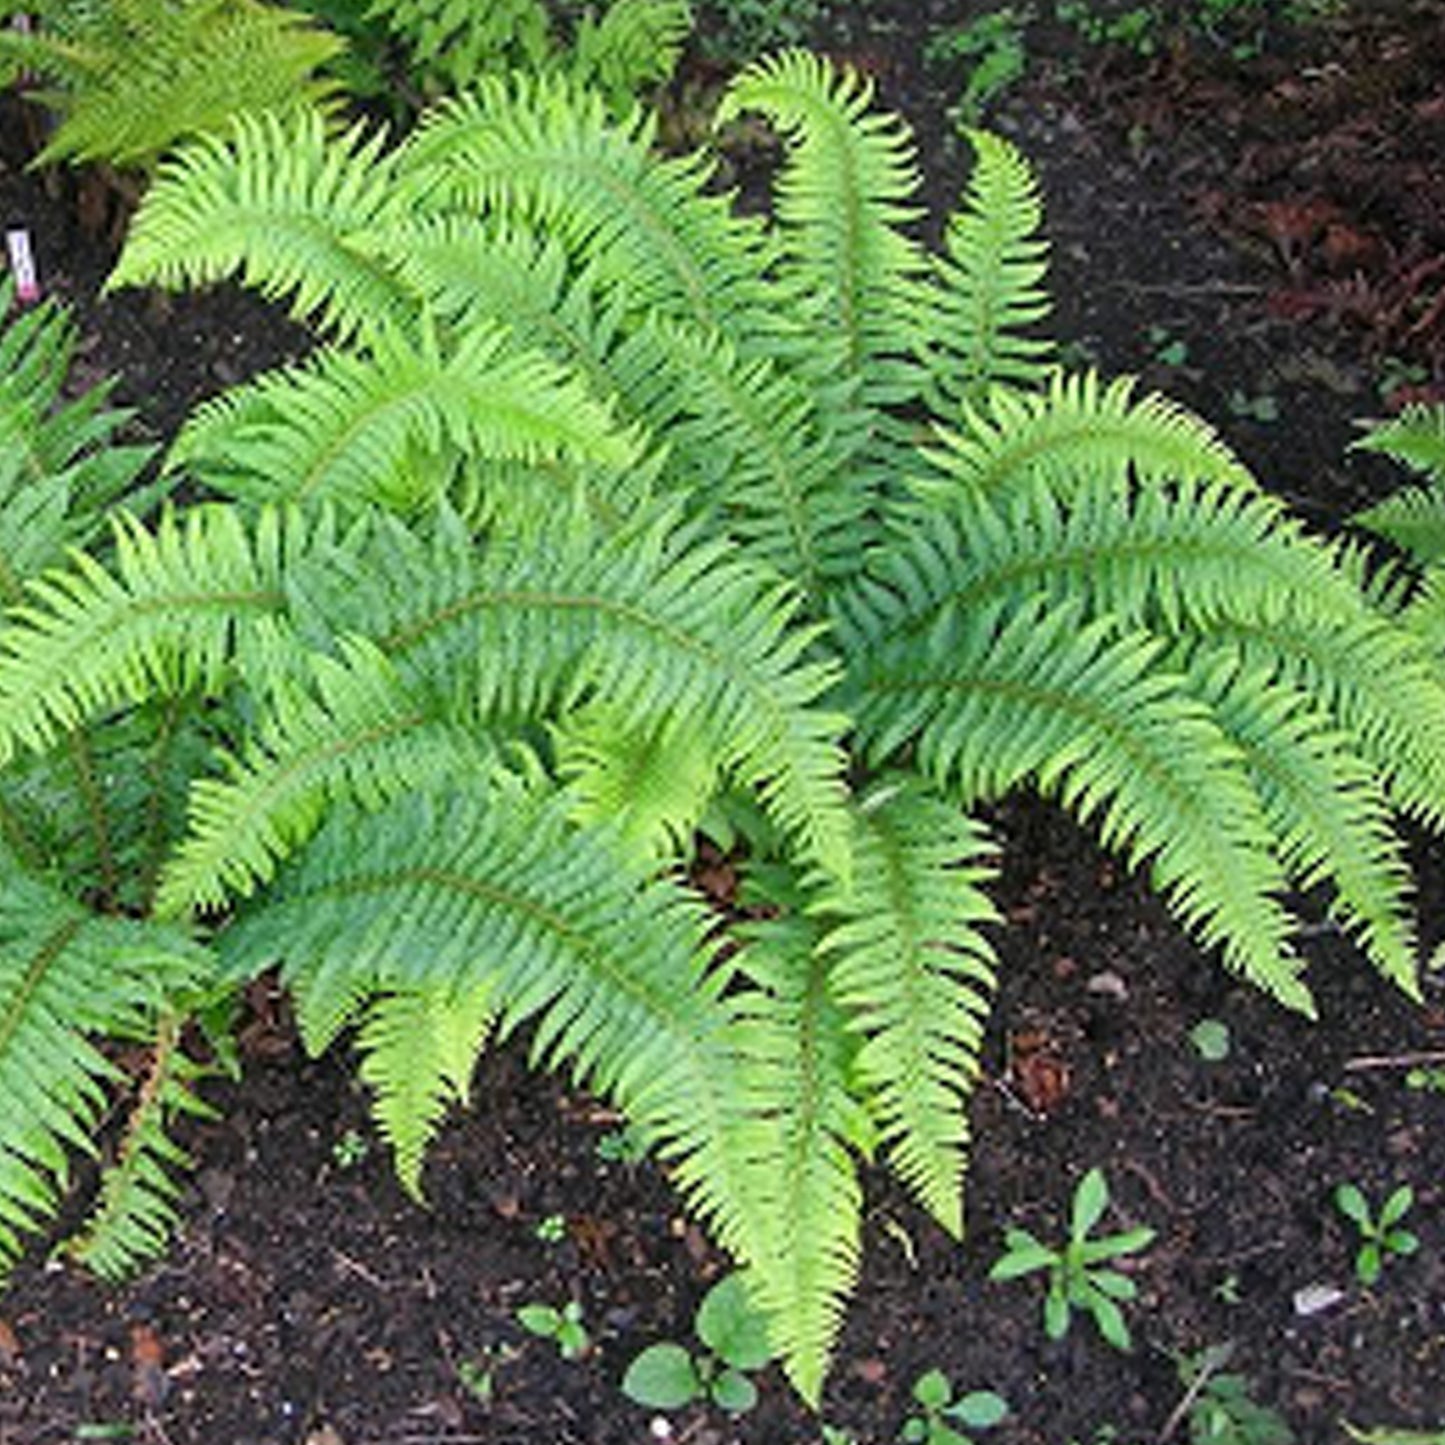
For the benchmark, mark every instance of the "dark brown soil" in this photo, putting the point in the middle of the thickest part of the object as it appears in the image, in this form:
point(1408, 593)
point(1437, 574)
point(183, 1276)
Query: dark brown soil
point(308, 1302)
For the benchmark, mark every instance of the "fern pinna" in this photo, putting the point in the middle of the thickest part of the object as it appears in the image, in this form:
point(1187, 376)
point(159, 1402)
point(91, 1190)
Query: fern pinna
point(606, 516)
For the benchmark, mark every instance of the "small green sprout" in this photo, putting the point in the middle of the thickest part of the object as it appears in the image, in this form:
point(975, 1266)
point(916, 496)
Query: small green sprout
point(933, 1425)
point(1427, 1078)
point(551, 1228)
point(1075, 1279)
point(1211, 1041)
point(563, 1326)
point(667, 1376)
point(621, 1146)
point(349, 1150)
point(1379, 1236)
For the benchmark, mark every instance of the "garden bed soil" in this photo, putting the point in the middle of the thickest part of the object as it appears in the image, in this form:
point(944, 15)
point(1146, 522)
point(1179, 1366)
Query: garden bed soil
point(307, 1301)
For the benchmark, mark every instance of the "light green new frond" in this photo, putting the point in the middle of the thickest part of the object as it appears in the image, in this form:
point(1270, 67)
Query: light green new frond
point(169, 71)
point(635, 43)
point(539, 153)
point(138, 1206)
point(649, 788)
point(165, 619)
point(1075, 432)
point(355, 735)
point(1088, 713)
point(990, 294)
point(666, 630)
point(915, 973)
point(67, 977)
point(418, 1049)
point(844, 198)
point(280, 205)
point(1327, 810)
point(390, 427)
point(801, 1125)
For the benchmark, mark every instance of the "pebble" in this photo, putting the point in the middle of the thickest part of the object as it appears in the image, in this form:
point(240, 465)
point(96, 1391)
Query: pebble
point(1315, 1299)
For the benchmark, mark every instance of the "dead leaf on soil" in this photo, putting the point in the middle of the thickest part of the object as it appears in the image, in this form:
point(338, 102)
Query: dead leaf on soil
point(9, 1344)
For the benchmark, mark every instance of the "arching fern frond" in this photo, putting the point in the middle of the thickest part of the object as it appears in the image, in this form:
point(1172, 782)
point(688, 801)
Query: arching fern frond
point(915, 973)
point(990, 297)
point(391, 426)
point(1085, 712)
point(165, 620)
point(281, 204)
point(632, 45)
point(67, 979)
point(355, 735)
point(1414, 517)
point(418, 1049)
point(1074, 432)
point(543, 154)
point(844, 200)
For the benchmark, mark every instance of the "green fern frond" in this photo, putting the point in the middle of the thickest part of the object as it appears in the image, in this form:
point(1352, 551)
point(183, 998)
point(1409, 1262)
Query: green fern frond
point(915, 973)
point(164, 621)
point(1086, 712)
point(138, 1207)
point(800, 1126)
point(418, 1049)
point(391, 426)
point(667, 630)
point(1414, 517)
point(283, 206)
point(68, 978)
point(1075, 432)
point(132, 77)
point(990, 297)
point(355, 735)
point(1326, 808)
point(452, 46)
point(537, 152)
point(843, 200)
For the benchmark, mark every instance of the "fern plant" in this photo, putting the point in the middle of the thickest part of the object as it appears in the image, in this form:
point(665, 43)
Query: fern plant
point(606, 516)
point(126, 79)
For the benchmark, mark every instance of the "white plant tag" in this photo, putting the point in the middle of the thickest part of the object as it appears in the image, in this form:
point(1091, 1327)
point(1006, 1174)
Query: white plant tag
point(22, 264)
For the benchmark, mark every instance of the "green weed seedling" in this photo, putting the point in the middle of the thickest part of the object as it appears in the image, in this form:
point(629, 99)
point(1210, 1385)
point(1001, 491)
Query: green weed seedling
point(1075, 1279)
point(349, 1150)
point(1428, 1079)
point(1210, 1039)
point(621, 1146)
point(993, 45)
point(551, 1228)
point(939, 1412)
point(1379, 1235)
point(1218, 1406)
point(667, 1376)
point(563, 1326)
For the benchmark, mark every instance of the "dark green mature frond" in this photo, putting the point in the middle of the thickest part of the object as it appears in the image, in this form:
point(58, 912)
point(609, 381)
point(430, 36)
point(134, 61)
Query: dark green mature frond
point(990, 295)
point(356, 734)
point(140, 1194)
point(915, 974)
point(1088, 713)
point(419, 1047)
point(132, 77)
point(283, 206)
point(543, 154)
point(392, 425)
point(451, 46)
point(67, 978)
point(801, 1125)
point(165, 620)
point(1076, 432)
point(1327, 809)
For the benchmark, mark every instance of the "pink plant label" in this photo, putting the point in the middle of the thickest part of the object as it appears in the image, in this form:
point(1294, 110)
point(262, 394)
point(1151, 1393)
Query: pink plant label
point(22, 265)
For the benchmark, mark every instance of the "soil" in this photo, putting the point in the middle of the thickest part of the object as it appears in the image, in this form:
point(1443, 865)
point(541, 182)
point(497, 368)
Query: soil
point(1282, 219)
